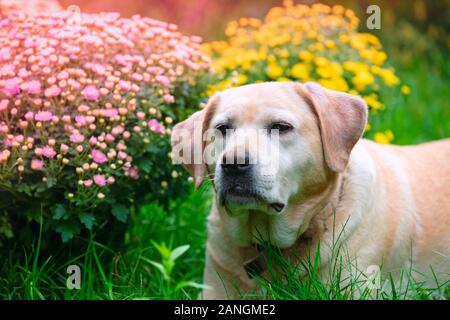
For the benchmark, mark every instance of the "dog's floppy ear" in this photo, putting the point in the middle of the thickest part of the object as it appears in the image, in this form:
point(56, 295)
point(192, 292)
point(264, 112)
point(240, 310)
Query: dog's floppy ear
point(187, 141)
point(342, 119)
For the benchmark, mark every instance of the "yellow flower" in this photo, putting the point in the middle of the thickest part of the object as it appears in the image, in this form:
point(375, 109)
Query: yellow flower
point(320, 61)
point(330, 44)
point(330, 70)
point(405, 89)
point(306, 43)
point(338, 10)
point(240, 79)
point(374, 56)
point(305, 55)
point(316, 47)
point(231, 29)
point(225, 84)
point(384, 137)
point(373, 102)
point(344, 38)
point(283, 53)
point(388, 77)
point(274, 71)
point(362, 79)
point(311, 34)
point(355, 66)
point(338, 84)
point(301, 71)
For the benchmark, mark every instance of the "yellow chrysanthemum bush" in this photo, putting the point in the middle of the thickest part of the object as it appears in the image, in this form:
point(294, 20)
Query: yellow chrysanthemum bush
point(304, 43)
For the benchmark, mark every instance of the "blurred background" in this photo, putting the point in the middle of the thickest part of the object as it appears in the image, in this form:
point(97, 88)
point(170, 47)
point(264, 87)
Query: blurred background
point(414, 34)
point(208, 18)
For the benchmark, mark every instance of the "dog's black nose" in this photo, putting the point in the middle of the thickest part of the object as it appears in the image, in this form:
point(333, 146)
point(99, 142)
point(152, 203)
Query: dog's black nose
point(237, 164)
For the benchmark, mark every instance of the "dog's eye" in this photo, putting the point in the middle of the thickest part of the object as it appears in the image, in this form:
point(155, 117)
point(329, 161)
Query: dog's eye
point(282, 127)
point(223, 128)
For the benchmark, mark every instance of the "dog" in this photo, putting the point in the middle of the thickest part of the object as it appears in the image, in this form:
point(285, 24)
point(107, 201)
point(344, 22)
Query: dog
point(390, 204)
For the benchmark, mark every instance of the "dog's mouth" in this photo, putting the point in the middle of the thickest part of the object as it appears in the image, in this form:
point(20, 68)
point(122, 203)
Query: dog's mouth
point(240, 196)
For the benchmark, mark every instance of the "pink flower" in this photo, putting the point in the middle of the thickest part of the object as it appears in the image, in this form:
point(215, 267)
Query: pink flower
point(38, 152)
point(99, 180)
point(121, 146)
point(43, 116)
point(125, 85)
point(117, 130)
point(53, 91)
point(29, 116)
point(87, 183)
point(11, 87)
point(140, 115)
point(169, 98)
point(91, 93)
point(33, 87)
point(98, 156)
point(37, 164)
point(80, 119)
point(48, 152)
point(155, 126)
point(83, 108)
point(109, 138)
point(64, 148)
point(3, 105)
point(90, 39)
point(134, 174)
point(76, 137)
point(63, 75)
point(109, 113)
point(163, 80)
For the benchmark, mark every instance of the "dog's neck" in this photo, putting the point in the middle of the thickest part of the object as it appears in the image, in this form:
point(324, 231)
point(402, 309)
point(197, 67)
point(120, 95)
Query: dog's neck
point(319, 212)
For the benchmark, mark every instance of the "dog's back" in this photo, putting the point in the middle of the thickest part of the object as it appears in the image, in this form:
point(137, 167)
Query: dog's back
point(426, 172)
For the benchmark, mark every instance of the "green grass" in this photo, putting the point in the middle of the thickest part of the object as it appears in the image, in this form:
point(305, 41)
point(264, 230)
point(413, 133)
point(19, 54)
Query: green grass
point(424, 115)
point(128, 274)
point(144, 269)
point(143, 266)
point(299, 278)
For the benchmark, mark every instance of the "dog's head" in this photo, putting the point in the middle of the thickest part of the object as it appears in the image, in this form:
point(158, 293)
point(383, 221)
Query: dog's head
point(269, 144)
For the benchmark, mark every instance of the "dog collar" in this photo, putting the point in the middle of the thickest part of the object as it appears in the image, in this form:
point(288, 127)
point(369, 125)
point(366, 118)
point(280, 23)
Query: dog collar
point(256, 266)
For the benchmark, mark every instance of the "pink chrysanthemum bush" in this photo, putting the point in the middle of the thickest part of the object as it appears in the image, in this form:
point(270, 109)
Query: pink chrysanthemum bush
point(86, 106)
point(29, 6)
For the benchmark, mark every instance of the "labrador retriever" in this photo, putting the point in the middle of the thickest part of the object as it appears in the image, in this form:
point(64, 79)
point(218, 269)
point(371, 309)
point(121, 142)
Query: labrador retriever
point(288, 166)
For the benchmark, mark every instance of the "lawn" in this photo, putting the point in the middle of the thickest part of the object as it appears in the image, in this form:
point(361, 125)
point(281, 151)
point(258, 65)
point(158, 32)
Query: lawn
point(141, 266)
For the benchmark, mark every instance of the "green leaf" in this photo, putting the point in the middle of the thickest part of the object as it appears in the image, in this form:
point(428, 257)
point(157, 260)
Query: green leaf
point(51, 181)
point(145, 166)
point(191, 284)
point(68, 230)
point(158, 266)
point(162, 249)
point(177, 252)
point(120, 212)
point(87, 219)
point(59, 211)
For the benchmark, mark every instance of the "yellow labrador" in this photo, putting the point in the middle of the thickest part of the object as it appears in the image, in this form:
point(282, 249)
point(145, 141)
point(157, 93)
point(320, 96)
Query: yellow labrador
point(305, 176)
